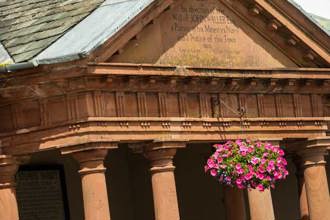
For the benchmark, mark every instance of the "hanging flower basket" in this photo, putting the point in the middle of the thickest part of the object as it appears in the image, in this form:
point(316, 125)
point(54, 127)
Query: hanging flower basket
point(247, 164)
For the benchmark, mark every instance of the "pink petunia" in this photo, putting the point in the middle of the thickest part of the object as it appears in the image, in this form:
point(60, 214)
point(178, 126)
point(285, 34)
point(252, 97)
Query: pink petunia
point(213, 172)
point(211, 163)
point(248, 176)
point(260, 187)
point(260, 176)
point(255, 160)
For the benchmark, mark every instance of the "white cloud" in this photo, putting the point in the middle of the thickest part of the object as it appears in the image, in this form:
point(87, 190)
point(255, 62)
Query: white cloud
point(318, 7)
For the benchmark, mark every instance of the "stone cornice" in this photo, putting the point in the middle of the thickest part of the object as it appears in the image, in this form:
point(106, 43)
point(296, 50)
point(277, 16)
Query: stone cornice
point(126, 77)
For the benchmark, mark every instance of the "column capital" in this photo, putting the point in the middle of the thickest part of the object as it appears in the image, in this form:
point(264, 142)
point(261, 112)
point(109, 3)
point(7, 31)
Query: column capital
point(161, 154)
point(8, 169)
point(90, 156)
point(312, 151)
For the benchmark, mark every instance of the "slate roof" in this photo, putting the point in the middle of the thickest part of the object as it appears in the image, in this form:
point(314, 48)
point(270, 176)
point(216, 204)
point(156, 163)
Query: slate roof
point(27, 27)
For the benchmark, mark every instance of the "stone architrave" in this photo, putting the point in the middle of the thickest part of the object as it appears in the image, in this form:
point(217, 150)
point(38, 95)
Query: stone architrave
point(315, 177)
point(93, 181)
point(8, 202)
point(161, 156)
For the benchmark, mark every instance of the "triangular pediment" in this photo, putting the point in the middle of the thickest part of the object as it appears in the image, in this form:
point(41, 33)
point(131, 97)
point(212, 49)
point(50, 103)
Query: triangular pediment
point(239, 34)
point(202, 33)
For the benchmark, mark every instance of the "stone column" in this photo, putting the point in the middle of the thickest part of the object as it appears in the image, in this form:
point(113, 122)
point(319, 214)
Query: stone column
point(261, 205)
point(234, 203)
point(8, 202)
point(317, 190)
point(94, 186)
point(303, 203)
point(161, 156)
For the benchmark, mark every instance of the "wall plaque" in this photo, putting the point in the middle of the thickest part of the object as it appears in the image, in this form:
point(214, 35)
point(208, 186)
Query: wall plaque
point(40, 194)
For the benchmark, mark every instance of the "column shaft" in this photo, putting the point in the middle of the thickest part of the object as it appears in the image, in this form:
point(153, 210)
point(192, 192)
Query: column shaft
point(8, 202)
point(234, 204)
point(317, 192)
point(165, 196)
point(316, 182)
point(94, 187)
point(161, 156)
point(261, 205)
point(303, 203)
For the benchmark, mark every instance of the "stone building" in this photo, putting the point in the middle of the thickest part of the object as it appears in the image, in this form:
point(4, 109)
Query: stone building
point(101, 98)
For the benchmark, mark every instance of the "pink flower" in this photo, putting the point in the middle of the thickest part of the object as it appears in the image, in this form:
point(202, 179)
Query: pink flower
point(255, 160)
point(283, 161)
point(211, 163)
point(228, 179)
point(281, 152)
point(270, 168)
point(238, 181)
point(286, 172)
point(241, 186)
point(243, 148)
point(261, 170)
point(240, 171)
point(260, 176)
point(277, 175)
point(238, 166)
point(248, 176)
point(260, 187)
point(213, 172)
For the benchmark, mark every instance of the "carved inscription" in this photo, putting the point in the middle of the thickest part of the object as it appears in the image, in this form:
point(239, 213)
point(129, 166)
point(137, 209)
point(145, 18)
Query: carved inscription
point(39, 195)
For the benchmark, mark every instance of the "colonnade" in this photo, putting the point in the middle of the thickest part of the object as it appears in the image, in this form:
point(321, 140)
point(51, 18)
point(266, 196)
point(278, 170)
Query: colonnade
point(312, 182)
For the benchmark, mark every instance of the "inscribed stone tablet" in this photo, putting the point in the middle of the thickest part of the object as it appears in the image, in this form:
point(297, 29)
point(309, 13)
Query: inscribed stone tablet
point(39, 195)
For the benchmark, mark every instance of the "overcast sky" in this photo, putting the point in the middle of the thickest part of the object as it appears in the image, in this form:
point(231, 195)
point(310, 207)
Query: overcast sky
point(318, 7)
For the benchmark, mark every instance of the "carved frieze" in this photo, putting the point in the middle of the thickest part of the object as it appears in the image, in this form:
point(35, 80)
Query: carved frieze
point(66, 109)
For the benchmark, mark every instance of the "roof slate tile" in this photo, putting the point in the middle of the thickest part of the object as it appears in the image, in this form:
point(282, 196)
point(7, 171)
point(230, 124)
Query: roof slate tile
point(27, 27)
